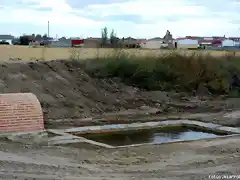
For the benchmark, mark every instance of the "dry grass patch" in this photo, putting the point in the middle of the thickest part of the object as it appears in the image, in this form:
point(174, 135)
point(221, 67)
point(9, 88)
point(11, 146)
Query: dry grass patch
point(26, 53)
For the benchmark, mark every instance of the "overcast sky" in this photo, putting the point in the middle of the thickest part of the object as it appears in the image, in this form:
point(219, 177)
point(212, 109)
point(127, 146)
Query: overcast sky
point(136, 18)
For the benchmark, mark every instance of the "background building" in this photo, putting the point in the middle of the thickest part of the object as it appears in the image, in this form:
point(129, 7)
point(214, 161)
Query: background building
point(6, 38)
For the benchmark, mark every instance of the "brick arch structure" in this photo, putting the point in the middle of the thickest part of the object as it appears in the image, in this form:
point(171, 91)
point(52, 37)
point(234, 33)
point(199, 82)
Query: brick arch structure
point(20, 112)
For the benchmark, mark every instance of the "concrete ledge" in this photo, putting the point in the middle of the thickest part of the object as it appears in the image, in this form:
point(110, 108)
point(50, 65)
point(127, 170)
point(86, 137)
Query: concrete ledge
point(179, 141)
point(151, 125)
point(67, 136)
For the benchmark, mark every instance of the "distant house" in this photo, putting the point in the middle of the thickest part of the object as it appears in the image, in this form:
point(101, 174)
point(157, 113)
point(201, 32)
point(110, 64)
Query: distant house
point(153, 43)
point(6, 38)
point(186, 43)
point(194, 37)
point(217, 43)
point(236, 41)
point(228, 43)
point(219, 37)
point(206, 42)
point(130, 42)
point(156, 39)
point(92, 42)
point(61, 43)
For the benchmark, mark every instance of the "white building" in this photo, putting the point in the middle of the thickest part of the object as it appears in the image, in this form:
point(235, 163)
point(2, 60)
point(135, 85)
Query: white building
point(184, 43)
point(228, 43)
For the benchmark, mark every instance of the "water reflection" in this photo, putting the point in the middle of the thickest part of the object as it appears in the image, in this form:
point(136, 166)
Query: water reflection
point(120, 139)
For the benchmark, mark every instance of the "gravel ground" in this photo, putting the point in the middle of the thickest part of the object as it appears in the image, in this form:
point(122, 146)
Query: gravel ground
point(195, 160)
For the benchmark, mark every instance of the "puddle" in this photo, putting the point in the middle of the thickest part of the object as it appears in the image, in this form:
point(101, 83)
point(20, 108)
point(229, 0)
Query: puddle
point(152, 136)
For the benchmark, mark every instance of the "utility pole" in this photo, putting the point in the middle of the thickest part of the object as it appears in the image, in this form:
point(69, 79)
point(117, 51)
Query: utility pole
point(48, 29)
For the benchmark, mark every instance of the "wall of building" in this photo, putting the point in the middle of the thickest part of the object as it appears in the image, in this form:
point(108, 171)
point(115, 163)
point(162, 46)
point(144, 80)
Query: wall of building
point(61, 44)
point(91, 44)
point(187, 44)
point(227, 42)
point(237, 43)
point(152, 44)
point(20, 112)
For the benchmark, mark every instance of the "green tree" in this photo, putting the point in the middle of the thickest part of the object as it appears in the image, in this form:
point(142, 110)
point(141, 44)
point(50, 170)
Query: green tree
point(45, 37)
point(104, 36)
point(38, 37)
point(113, 39)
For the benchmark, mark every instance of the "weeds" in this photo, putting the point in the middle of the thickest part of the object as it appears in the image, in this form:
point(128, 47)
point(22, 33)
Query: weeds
point(172, 72)
point(43, 53)
point(74, 54)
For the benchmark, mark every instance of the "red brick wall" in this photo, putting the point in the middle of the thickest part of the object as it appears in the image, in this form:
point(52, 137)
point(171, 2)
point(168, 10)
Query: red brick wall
point(20, 112)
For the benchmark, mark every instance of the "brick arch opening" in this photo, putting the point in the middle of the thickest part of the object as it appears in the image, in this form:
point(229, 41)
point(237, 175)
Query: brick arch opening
point(20, 112)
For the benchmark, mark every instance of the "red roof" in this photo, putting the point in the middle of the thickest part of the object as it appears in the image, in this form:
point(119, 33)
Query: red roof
point(207, 40)
point(182, 38)
point(193, 37)
point(139, 41)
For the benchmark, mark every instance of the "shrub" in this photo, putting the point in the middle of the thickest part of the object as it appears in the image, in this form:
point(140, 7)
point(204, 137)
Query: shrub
point(175, 71)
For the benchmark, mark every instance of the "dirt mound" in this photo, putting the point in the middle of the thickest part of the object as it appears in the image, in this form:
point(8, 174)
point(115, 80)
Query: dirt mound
point(67, 92)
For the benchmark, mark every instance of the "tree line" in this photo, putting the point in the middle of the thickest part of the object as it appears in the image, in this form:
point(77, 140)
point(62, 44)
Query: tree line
point(107, 39)
point(111, 40)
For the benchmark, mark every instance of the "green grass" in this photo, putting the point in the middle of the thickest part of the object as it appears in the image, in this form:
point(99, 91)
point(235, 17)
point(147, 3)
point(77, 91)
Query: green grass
point(173, 72)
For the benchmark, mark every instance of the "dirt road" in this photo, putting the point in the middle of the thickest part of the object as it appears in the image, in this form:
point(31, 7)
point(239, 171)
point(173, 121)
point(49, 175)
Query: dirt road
point(195, 160)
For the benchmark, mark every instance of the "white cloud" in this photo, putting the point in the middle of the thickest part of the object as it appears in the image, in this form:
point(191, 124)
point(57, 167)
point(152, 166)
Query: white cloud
point(55, 5)
point(235, 3)
point(149, 9)
point(190, 19)
point(61, 14)
point(186, 17)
